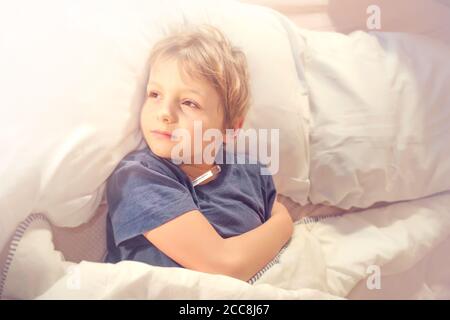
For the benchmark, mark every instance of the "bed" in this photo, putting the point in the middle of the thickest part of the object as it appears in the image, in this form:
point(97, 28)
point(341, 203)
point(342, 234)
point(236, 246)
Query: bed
point(354, 248)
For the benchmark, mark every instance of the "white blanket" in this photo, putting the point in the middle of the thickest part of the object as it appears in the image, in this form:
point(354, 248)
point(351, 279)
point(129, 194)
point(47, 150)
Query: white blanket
point(324, 260)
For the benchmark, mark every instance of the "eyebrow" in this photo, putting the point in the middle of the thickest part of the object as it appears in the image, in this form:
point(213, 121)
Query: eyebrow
point(184, 89)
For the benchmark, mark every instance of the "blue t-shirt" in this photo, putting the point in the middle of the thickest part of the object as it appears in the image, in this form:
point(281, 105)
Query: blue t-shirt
point(146, 191)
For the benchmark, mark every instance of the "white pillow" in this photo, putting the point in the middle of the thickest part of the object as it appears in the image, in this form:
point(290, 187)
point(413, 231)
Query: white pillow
point(380, 113)
point(73, 78)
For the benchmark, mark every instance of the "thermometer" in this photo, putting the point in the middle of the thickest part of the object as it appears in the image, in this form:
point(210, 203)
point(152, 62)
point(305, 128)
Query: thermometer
point(210, 173)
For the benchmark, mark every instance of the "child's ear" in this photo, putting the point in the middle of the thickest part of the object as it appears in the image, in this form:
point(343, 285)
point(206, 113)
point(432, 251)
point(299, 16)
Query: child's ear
point(236, 127)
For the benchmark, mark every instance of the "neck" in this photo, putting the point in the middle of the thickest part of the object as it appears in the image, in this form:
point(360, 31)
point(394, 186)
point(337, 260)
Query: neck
point(195, 170)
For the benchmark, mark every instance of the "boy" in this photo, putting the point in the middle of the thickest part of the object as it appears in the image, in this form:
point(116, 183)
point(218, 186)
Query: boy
point(230, 223)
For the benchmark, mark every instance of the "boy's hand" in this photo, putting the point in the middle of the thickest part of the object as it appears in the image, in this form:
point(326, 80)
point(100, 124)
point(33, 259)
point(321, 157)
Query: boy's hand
point(279, 210)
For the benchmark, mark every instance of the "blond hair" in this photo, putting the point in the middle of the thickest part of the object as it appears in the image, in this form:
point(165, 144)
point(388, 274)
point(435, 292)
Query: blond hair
point(203, 50)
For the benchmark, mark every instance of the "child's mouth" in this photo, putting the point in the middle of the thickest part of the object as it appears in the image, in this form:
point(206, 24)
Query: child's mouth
point(162, 134)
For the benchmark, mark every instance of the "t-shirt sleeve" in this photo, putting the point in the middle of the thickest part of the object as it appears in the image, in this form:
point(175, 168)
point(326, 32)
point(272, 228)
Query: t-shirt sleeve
point(269, 194)
point(141, 198)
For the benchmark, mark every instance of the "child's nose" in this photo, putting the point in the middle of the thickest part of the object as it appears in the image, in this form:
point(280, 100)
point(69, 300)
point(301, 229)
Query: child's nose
point(167, 112)
point(166, 118)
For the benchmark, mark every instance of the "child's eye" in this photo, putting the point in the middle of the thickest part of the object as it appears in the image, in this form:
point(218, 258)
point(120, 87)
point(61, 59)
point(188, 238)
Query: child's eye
point(153, 94)
point(191, 104)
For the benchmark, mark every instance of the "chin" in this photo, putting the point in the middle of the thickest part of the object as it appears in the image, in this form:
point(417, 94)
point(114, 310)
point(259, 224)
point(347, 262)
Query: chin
point(162, 150)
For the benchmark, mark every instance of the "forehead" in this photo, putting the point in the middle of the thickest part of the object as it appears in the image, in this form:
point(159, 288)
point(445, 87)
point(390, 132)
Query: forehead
point(172, 70)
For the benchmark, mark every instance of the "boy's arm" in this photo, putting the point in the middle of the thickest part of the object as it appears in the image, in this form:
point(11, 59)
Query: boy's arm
point(192, 242)
point(254, 249)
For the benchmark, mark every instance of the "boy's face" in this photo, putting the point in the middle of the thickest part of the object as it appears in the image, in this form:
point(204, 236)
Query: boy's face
point(176, 101)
